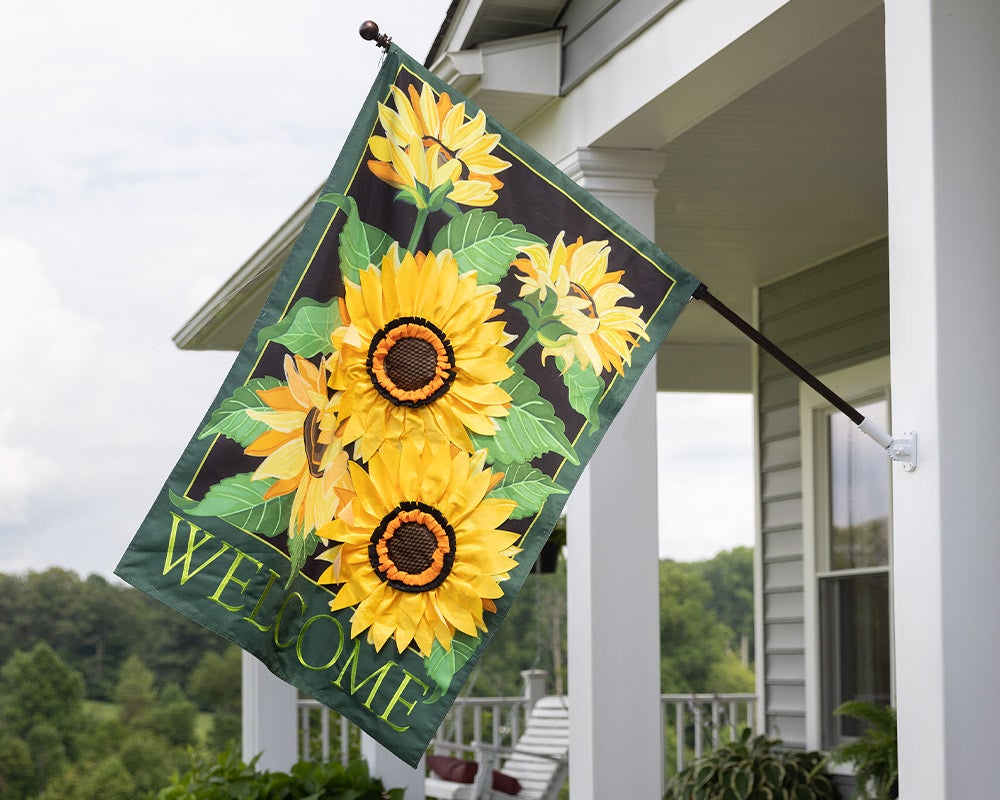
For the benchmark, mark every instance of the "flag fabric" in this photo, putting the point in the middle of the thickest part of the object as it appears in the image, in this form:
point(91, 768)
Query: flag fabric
point(444, 348)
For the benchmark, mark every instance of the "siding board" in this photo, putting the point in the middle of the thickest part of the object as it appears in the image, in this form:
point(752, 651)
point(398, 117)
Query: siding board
point(828, 317)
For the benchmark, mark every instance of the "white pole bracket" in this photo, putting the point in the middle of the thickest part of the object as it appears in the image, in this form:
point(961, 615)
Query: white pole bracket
point(904, 450)
point(898, 448)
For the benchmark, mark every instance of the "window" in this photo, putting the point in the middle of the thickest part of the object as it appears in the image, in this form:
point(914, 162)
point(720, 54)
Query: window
point(848, 530)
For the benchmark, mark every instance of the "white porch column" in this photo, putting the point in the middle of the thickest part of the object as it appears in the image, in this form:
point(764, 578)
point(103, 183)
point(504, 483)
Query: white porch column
point(612, 557)
point(270, 725)
point(395, 773)
point(943, 70)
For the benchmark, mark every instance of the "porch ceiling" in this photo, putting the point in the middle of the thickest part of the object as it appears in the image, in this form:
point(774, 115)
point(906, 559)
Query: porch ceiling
point(783, 177)
point(788, 174)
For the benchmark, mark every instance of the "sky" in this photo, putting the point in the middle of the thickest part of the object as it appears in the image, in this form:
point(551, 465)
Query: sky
point(147, 150)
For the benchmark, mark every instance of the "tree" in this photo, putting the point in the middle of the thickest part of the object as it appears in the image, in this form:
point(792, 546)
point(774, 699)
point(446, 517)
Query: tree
point(730, 576)
point(17, 772)
point(691, 637)
point(38, 687)
point(215, 681)
point(136, 691)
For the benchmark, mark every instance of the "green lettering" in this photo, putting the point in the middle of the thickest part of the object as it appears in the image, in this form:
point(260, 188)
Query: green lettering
point(281, 612)
point(252, 619)
point(379, 675)
point(186, 572)
point(302, 635)
point(231, 578)
point(398, 698)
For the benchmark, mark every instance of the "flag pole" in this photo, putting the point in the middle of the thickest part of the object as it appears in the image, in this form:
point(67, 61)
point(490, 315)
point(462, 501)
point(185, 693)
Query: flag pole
point(902, 449)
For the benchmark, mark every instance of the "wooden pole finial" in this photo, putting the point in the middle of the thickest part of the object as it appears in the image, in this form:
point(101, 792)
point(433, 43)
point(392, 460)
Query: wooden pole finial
point(369, 32)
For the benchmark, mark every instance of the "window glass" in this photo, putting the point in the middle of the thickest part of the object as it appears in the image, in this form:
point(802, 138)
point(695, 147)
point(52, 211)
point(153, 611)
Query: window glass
point(859, 493)
point(857, 661)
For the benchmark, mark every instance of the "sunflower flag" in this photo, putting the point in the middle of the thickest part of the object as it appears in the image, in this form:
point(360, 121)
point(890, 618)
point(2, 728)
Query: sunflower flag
point(444, 348)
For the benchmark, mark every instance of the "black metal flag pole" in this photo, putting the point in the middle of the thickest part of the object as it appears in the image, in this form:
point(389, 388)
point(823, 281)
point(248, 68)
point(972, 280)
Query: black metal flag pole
point(902, 449)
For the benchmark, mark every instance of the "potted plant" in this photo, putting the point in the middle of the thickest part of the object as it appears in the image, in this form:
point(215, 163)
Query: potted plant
point(874, 753)
point(751, 769)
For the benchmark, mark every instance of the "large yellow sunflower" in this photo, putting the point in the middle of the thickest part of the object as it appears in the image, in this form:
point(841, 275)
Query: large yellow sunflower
point(429, 142)
point(603, 332)
point(420, 554)
point(419, 355)
point(303, 459)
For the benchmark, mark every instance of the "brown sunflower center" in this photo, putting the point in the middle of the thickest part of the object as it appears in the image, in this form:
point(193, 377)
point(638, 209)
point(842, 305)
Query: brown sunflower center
point(413, 548)
point(576, 290)
point(313, 446)
point(411, 362)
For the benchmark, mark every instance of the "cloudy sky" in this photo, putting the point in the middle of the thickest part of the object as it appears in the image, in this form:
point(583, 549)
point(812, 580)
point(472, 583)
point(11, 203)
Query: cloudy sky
point(147, 150)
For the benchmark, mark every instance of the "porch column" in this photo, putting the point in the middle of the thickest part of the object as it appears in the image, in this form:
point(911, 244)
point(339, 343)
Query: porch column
point(612, 553)
point(943, 69)
point(270, 724)
point(393, 771)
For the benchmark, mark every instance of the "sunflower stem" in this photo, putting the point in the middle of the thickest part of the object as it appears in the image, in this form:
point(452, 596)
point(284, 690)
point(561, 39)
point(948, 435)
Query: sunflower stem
point(529, 338)
point(418, 228)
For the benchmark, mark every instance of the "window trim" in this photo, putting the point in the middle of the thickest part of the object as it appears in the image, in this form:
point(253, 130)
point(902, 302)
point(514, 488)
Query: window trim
point(855, 384)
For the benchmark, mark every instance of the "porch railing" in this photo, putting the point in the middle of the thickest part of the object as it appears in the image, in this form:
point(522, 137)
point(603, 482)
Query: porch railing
point(693, 724)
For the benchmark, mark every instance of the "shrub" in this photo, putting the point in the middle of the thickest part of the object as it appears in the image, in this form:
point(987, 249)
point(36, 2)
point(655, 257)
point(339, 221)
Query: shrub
point(230, 779)
point(754, 769)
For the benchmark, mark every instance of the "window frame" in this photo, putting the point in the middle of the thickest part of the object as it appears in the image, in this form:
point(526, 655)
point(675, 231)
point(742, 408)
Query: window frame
point(857, 384)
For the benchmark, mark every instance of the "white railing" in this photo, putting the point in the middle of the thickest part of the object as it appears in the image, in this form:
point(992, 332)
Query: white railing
point(693, 724)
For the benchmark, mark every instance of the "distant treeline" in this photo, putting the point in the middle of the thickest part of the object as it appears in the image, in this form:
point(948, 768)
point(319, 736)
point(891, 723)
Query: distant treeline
point(95, 625)
point(706, 620)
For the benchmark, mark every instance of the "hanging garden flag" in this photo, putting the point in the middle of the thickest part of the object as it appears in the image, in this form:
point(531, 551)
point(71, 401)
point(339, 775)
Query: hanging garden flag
point(454, 330)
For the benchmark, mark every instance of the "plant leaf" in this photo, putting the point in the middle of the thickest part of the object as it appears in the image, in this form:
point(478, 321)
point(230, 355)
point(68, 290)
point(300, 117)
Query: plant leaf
point(361, 244)
point(585, 389)
point(231, 418)
point(300, 548)
point(306, 329)
point(530, 429)
point(526, 486)
point(484, 242)
point(239, 500)
point(441, 665)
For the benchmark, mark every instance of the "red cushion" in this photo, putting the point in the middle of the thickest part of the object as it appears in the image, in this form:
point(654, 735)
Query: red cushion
point(453, 769)
point(459, 770)
point(505, 783)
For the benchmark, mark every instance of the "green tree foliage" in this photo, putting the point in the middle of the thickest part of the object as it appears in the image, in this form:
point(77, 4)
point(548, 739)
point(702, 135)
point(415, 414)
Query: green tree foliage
point(215, 681)
point(38, 688)
point(135, 693)
point(17, 770)
point(730, 576)
point(95, 625)
point(691, 637)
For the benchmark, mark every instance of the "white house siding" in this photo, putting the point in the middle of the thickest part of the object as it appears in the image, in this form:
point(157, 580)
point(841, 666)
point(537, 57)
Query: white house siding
point(827, 317)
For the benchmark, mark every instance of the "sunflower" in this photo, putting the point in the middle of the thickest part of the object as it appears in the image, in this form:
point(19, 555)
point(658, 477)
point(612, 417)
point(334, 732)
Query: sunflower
point(419, 355)
point(601, 332)
point(429, 143)
point(420, 555)
point(302, 458)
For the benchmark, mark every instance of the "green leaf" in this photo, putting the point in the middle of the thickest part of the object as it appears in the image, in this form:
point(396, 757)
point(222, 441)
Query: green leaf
point(361, 244)
point(306, 329)
point(231, 418)
point(526, 486)
point(239, 500)
point(441, 665)
point(300, 548)
point(530, 429)
point(585, 390)
point(484, 242)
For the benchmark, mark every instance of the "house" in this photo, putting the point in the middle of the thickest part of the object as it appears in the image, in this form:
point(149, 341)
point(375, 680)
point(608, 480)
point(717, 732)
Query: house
point(831, 170)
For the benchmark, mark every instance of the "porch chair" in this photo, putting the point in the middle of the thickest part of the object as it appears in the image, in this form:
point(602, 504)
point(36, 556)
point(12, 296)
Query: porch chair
point(539, 761)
